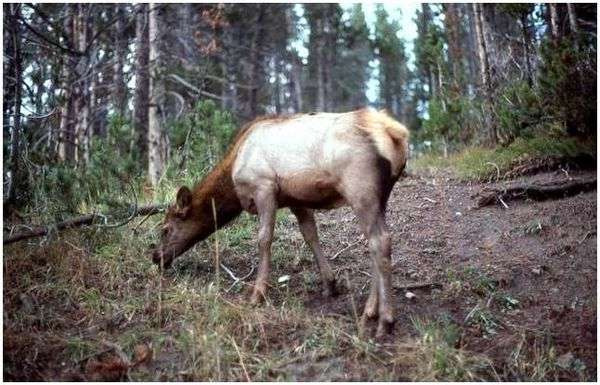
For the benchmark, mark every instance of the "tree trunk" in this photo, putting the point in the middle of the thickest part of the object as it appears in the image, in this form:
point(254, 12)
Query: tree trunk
point(66, 147)
point(452, 25)
point(526, 41)
point(277, 90)
point(256, 60)
point(157, 143)
point(82, 105)
point(329, 56)
point(471, 48)
point(16, 169)
point(141, 97)
point(296, 84)
point(120, 52)
point(427, 20)
point(485, 74)
point(573, 24)
point(320, 103)
point(554, 28)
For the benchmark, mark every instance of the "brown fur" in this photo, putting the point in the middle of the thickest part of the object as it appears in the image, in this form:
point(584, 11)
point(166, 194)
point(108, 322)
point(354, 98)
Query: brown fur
point(218, 186)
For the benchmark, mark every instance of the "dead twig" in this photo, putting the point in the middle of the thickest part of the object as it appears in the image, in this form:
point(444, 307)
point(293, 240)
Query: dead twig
point(241, 359)
point(503, 203)
point(429, 200)
point(345, 249)
point(587, 235)
point(235, 279)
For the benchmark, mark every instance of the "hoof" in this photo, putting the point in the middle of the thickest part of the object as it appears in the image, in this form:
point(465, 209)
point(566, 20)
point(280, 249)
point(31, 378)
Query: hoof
point(371, 310)
point(257, 296)
point(384, 328)
point(329, 289)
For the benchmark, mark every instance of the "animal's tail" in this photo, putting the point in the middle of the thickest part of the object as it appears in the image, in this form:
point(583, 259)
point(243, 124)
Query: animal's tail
point(394, 128)
point(389, 136)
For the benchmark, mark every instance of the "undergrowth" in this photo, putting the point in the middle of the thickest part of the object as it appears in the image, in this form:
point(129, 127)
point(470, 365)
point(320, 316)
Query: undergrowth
point(70, 299)
point(480, 163)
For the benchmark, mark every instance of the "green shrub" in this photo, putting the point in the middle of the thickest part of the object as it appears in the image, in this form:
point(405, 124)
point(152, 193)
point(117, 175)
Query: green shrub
point(568, 85)
point(519, 111)
point(199, 140)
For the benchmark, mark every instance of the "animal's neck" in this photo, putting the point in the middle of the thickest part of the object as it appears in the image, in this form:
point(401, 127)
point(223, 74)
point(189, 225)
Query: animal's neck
point(217, 186)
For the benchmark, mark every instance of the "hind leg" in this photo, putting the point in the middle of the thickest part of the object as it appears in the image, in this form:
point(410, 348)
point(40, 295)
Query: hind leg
point(308, 228)
point(367, 198)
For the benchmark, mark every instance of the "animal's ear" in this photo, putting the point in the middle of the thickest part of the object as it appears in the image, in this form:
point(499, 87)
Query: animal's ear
point(184, 201)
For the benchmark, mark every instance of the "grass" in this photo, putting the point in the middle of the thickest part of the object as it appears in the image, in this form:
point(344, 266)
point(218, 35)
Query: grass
point(441, 357)
point(479, 163)
point(66, 300)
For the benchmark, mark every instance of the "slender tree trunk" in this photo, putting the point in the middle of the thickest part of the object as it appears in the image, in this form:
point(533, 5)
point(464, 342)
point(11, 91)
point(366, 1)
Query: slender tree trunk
point(452, 25)
point(277, 91)
point(526, 41)
point(471, 48)
point(66, 147)
point(554, 28)
point(427, 20)
point(329, 53)
point(256, 59)
point(82, 103)
point(55, 67)
point(320, 62)
point(157, 143)
point(296, 84)
point(142, 82)
point(573, 24)
point(120, 51)
point(17, 177)
point(485, 74)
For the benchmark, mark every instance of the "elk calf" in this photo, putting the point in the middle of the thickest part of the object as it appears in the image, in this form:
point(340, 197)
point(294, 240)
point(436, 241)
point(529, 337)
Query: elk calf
point(304, 162)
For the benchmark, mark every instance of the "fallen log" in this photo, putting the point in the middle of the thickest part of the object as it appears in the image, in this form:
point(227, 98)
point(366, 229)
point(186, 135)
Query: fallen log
point(555, 190)
point(83, 220)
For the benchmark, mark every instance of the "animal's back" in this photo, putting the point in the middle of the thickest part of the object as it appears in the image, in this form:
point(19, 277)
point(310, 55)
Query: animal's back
point(305, 155)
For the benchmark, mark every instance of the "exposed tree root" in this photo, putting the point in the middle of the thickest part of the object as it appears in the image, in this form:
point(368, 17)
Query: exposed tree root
point(88, 219)
point(554, 190)
point(533, 166)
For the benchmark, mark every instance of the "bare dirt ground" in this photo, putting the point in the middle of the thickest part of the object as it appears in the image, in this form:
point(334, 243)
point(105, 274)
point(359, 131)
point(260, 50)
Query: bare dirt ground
point(541, 254)
point(518, 283)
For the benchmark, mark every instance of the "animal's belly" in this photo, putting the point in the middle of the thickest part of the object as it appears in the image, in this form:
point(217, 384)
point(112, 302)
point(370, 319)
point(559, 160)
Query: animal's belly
point(312, 189)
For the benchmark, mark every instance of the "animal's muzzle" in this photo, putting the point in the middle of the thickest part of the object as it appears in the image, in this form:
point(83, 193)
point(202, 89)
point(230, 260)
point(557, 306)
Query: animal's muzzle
point(160, 258)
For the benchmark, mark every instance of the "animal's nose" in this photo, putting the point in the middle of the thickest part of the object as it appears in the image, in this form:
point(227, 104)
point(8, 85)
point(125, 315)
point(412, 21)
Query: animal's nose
point(155, 256)
point(160, 259)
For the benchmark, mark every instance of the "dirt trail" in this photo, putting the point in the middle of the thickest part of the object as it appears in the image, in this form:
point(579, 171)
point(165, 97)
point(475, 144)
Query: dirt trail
point(541, 254)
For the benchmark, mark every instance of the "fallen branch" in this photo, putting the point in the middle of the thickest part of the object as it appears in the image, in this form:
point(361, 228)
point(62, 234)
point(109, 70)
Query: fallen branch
point(414, 286)
point(83, 220)
point(536, 192)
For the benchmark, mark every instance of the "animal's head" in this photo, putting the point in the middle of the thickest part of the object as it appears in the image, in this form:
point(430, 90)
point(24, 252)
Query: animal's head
point(180, 230)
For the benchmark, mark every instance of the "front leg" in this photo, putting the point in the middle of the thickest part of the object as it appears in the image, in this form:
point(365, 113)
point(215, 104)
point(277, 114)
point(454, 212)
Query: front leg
point(308, 228)
point(266, 206)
